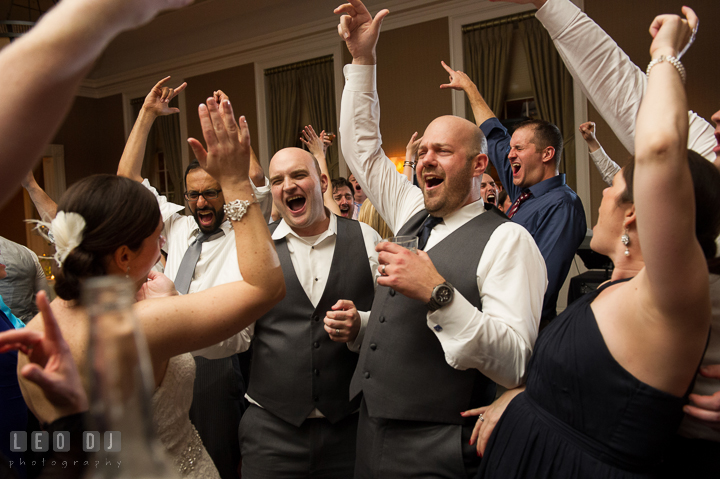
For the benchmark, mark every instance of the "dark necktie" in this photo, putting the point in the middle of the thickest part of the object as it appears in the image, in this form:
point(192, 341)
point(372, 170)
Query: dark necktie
point(513, 209)
point(428, 225)
point(192, 255)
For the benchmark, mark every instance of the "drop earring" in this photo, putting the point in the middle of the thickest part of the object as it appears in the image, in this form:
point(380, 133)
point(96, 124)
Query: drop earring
point(127, 273)
point(626, 241)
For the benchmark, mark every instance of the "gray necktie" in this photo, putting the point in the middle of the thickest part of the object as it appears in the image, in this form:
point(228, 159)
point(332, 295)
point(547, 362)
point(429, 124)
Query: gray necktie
point(192, 255)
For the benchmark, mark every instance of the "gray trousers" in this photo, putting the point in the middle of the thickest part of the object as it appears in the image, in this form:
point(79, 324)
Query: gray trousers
point(274, 449)
point(218, 405)
point(390, 448)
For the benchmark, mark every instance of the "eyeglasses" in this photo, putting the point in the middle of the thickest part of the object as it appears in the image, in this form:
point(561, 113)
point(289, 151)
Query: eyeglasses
point(193, 196)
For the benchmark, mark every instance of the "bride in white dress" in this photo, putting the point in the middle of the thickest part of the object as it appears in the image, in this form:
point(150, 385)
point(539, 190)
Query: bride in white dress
point(110, 225)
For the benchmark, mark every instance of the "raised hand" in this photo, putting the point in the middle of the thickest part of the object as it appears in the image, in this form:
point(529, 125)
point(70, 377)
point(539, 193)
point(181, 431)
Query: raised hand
point(343, 322)
point(227, 158)
point(316, 145)
point(587, 130)
point(458, 80)
point(360, 31)
point(672, 34)
point(412, 148)
point(157, 102)
point(51, 366)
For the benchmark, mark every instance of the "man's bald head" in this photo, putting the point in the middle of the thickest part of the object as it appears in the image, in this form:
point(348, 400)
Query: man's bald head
point(464, 132)
point(297, 153)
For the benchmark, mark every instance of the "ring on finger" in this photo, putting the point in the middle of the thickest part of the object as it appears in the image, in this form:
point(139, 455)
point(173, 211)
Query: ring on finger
point(382, 271)
point(337, 331)
point(482, 419)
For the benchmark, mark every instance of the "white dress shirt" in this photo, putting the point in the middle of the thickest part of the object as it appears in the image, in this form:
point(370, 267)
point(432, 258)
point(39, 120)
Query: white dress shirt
point(218, 258)
point(511, 274)
point(607, 167)
point(611, 81)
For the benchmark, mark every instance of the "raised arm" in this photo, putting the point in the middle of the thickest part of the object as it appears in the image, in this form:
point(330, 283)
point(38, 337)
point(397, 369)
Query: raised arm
point(317, 147)
point(498, 137)
point(185, 323)
point(44, 204)
point(257, 175)
point(411, 154)
point(661, 166)
point(599, 65)
point(460, 81)
point(42, 70)
point(157, 103)
point(607, 167)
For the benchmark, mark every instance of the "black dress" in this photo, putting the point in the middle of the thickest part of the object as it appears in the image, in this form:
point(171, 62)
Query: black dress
point(582, 415)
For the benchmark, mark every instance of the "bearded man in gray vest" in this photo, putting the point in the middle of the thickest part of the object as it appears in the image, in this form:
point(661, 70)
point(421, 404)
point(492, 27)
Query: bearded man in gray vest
point(449, 322)
point(301, 421)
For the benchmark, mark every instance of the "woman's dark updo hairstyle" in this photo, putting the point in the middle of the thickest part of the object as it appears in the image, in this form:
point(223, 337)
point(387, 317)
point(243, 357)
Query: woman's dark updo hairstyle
point(117, 212)
point(706, 183)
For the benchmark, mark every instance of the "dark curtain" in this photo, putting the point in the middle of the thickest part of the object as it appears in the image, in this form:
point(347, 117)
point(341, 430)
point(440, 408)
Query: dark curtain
point(318, 91)
point(486, 53)
point(283, 109)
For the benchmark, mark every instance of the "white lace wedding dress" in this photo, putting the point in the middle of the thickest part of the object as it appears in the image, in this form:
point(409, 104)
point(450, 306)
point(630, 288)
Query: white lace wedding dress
point(171, 403)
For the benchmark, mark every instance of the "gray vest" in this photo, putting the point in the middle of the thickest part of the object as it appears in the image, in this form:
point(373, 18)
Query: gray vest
point(402, 371)
point(296, 367)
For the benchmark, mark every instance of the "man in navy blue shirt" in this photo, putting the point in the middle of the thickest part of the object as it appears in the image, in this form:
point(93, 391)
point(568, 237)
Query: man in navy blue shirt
point(528, 167)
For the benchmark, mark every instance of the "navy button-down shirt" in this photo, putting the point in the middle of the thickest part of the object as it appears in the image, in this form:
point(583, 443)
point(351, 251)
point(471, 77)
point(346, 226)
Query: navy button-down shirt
point(553, 214)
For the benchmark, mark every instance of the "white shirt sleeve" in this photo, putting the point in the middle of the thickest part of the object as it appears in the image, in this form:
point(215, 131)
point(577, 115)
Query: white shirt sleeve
point(394, 198)
point(499, 339)
point(607, 167)
point(599, 65)
point(264, 197)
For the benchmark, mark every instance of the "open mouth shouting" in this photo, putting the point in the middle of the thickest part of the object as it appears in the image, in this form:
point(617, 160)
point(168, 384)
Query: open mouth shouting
point(206, 217)
point(491, 198)
point(515, 168)
point(432, 182)
point(296, 204)
point(345, 210)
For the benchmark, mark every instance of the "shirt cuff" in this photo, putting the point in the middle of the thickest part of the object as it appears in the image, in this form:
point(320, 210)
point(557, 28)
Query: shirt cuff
point(360, 78)
point(450, 321)
point(556, 15)
point(354, 345)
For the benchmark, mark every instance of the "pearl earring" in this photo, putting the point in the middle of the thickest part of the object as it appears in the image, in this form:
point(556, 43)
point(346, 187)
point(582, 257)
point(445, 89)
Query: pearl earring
point(626, 241)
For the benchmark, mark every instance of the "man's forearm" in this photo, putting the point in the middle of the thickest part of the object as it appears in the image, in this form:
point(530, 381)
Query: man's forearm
point(131, 162)
point(257, 175)
point(480, 108)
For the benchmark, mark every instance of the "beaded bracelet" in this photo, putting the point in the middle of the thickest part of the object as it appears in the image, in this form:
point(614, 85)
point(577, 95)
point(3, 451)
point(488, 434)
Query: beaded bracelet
point(672, 60)
point(235, 210)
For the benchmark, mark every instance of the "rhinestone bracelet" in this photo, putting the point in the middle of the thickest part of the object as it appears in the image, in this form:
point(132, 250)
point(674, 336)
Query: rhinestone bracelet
point(235, 210)
point(673, 61)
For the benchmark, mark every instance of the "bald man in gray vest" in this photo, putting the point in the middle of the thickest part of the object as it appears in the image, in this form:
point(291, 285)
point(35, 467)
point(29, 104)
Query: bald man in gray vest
point(302, 422)
point(447, 322)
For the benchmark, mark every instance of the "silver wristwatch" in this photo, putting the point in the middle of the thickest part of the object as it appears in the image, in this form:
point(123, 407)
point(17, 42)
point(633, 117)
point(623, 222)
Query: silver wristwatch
point(442, 295)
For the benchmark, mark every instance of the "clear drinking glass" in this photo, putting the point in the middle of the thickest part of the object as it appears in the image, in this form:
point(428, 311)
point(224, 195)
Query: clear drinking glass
point(121, 384)
point(408, 242)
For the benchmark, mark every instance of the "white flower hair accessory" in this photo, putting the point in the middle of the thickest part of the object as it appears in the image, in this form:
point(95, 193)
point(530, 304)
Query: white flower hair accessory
point(67, 232)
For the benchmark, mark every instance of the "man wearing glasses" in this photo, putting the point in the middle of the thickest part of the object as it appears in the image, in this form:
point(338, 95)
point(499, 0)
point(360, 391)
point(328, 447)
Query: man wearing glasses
point(198, 251)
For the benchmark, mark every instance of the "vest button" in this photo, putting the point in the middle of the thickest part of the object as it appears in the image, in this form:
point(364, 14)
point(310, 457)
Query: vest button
point(373, 346)
point(367, 375)
point(315, 318)
point(316, 399)
point(316, 372)
point(316, 345)
point(392, 292)
point(382, 319)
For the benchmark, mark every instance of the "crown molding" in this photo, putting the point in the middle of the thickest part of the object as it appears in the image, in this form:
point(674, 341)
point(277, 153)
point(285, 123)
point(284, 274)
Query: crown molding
point(321, 34)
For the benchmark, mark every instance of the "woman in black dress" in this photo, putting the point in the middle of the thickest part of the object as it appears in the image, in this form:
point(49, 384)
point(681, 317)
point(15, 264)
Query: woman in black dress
point(610, 376)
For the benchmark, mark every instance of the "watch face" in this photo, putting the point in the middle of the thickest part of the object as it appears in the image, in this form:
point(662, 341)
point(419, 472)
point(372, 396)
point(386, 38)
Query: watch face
point(444, 294)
